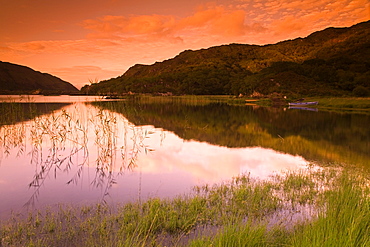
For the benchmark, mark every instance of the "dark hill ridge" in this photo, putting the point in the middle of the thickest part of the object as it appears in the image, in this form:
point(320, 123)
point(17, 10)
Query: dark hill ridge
point(335, 61)
point(21, 79)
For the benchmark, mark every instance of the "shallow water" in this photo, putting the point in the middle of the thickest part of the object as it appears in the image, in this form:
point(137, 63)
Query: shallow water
point(83, 153)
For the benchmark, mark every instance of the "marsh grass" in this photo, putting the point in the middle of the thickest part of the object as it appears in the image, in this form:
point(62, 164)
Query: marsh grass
point(238, 213)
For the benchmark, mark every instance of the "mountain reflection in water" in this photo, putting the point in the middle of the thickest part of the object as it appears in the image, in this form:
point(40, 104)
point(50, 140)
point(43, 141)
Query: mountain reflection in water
point(86, 154)
point(322, 137)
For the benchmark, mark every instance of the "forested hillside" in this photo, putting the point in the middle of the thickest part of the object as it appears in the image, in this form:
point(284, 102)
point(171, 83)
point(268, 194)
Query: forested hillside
point(21, 79)
point(335, 61)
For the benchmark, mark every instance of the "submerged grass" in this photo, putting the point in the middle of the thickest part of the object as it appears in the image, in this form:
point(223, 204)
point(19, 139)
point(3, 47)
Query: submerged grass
point(243, 212)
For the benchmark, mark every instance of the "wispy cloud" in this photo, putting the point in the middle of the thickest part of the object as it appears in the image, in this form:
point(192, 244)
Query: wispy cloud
point(243, 20)
point(217, 20)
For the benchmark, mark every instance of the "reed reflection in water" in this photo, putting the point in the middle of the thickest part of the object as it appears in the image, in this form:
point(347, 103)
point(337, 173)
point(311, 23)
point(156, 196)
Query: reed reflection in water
point(82, 154)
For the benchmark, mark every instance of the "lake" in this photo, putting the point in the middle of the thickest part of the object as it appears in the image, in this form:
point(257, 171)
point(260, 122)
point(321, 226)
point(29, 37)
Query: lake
point(85, 150)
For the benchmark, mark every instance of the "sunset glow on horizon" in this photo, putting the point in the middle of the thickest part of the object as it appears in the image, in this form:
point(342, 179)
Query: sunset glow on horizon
point(82, 41)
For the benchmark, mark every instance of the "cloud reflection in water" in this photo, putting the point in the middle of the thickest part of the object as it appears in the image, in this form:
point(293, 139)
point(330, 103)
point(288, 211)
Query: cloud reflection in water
point(208, 163)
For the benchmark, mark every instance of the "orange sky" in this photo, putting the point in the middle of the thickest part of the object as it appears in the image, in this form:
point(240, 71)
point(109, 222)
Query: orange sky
point(82, 40)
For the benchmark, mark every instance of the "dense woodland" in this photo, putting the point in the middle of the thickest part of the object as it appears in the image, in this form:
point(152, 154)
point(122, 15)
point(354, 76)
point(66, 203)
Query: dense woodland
point(335, 61)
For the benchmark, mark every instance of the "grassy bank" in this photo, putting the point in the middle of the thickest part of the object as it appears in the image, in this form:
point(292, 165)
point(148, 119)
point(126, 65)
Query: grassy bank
point(311, 208)
point(350, 104)
point(342, 104)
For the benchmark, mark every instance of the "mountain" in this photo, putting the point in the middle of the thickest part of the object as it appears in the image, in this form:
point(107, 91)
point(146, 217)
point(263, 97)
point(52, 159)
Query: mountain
point(21, 79)
point(334, 61)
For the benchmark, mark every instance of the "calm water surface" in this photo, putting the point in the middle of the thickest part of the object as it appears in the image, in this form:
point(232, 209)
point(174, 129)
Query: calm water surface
point(80, 150)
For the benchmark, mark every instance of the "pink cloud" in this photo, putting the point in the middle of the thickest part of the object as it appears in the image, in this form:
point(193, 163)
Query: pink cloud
point(247, 22)
point(216, 20)
point(150, 24)
point(231, 24)
point(4, 49)
point(144, 24)
point(289, 23)
point(298, 18)
point(36, 46)
point(201, 17)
